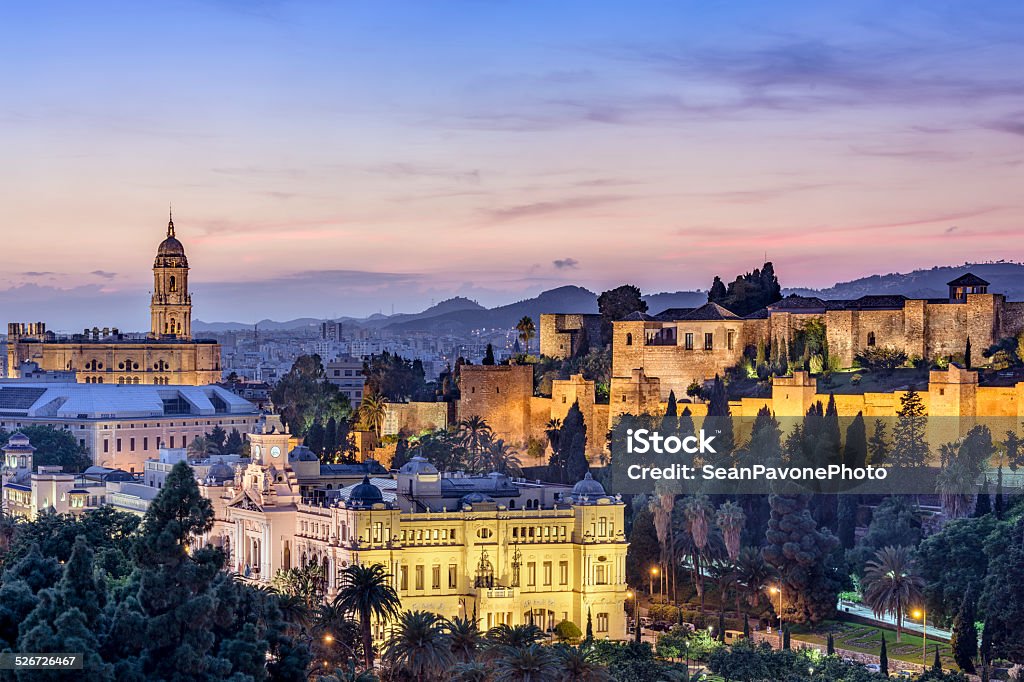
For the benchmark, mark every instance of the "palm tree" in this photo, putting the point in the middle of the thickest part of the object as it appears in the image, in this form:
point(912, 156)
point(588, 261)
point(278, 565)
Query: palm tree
point(580, 664)
point(335, 635)
point(698, 511)
point(504, 636)
point(731, 519)
point(475, 671)
point(475, 434)
point(367, 592)
point(890, 584)
point(465, 638)
point(662, 503)
point(418, 645)
point(553, 429)
point(527, 330)
point(532, 663)
point(502, 458)
point(754, 574)
point(372, 411)
point(8, 528)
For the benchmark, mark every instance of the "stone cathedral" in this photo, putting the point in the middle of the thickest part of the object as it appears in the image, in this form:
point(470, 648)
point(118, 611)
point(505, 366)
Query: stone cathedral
point(166, 355)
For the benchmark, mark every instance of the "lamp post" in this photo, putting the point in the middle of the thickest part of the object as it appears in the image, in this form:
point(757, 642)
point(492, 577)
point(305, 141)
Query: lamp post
point(654, 573)
point(636, 619)
point(922, 613)
point(778, 591)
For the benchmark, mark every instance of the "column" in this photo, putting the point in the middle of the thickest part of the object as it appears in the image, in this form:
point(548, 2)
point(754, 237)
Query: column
point(265, 558)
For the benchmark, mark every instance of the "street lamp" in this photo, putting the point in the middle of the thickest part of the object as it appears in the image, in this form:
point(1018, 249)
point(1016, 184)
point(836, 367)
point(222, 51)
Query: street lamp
point(922, 613)
point(778, 590)
point(636, 614)
point(654, 572)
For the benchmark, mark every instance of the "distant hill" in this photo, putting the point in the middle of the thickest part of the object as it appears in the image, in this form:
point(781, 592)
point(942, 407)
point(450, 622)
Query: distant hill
point(567, 299)
point(1004, 278)
point(459, 315)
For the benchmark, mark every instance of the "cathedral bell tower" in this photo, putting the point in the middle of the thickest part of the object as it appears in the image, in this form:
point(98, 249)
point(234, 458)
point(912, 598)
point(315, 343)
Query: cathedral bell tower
point(171, 307)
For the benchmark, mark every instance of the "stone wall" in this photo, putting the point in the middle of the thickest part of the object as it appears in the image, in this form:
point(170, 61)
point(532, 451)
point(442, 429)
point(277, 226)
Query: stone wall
point(500, 394)
point(562, 334)
point(411, 418)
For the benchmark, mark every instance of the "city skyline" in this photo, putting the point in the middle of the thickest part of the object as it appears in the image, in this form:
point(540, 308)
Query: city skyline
point(331, 161)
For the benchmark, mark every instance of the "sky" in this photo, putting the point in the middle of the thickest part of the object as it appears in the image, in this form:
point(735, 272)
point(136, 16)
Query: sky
point(347, 158)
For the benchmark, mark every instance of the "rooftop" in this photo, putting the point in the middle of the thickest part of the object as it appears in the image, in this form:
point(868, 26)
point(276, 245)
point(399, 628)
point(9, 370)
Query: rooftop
point(115, 401)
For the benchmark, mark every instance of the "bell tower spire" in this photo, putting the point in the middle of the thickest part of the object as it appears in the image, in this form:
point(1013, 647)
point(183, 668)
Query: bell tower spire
point(171, 307)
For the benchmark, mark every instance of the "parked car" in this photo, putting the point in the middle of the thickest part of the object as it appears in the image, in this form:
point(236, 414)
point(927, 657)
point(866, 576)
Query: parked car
point(873, 667)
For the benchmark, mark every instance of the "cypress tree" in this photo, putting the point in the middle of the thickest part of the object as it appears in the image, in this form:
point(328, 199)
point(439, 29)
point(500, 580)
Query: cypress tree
point(986, 644)
point(878, 446)
point(721, 626)
point(785, 637)
point(672, 409)
point(1000, 506)
point(883, 658)
point(964, 640)
point(847, 528)
point(984, 504)
point(937, 663)
point(967, 353)
point(746, 624)
point(855, 453)
point(590, 627)
point(488, 356)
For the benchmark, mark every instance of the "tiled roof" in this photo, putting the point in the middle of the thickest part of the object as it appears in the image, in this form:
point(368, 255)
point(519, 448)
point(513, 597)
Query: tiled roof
point(710, 311)
point(968, 279)
point(672, 314)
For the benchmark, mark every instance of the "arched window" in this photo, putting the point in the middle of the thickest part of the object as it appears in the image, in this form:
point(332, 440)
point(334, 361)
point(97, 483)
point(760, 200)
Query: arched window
point(173, 284)
point(871, 338)
point(629, 339)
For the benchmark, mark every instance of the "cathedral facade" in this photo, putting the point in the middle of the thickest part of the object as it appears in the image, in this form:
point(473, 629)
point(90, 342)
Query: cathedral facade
point(167, 355)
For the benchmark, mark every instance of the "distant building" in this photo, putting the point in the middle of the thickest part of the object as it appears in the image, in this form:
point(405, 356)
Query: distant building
point(346, 372)
point(330, 331)
point(168, 355)
point(123, 426)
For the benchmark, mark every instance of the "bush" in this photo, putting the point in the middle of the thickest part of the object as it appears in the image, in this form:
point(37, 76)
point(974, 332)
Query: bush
point(567, 631)
point(881, 359)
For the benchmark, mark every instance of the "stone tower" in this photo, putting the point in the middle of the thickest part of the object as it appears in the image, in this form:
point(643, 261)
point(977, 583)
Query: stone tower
point(171, 307)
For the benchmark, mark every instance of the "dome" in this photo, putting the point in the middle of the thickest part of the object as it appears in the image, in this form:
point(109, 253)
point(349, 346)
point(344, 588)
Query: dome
point(18, 441)
point(475, 498)
point(365, 493)
point(301, 453)
point(418, 465)
point(588, 486)
point(221, 471)
point(170, 247)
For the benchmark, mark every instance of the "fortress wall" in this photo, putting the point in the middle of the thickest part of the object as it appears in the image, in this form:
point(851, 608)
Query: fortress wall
point(501, 394)
point(997, 401)
point(414, 417)
point(946, 330)
point(1012, 318)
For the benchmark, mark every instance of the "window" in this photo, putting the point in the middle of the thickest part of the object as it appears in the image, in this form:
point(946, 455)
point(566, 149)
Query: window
point(131, 444)
point(709, 341)
point(453, 576)
point(629, 339)
point(106, 445)
point(563, 572)
point(730, 340)
point(688, 341)
point(871, 338)
point(600, 575)
point(602, 622)
point(403, 577)
point(435, 582)
point(145, 443)
point(419, 578)
point(531, 574)
point(547, 572)
point(602, 526)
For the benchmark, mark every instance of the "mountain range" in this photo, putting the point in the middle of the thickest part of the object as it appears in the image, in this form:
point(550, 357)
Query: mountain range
point(460, 315)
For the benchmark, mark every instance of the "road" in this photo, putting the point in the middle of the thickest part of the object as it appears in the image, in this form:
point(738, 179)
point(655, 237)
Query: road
point(909, 625)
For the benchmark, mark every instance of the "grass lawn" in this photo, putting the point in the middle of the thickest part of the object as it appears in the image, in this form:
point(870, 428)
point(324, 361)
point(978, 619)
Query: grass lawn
point(868, 639)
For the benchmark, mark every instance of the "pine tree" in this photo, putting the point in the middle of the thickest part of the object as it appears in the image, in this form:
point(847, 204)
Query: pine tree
point(315, 437)
point(488, 356)
point(883, 658)
point(909, 447)
point(234, 443)
point(964, 641)
point(878, 446)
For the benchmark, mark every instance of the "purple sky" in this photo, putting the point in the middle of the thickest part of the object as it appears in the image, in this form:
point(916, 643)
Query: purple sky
point(343, 158)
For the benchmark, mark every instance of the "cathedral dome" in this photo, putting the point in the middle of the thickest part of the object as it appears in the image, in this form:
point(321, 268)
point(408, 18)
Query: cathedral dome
point(588, 486)
point(221, 471)
point(365, 494)
point(171, 248)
